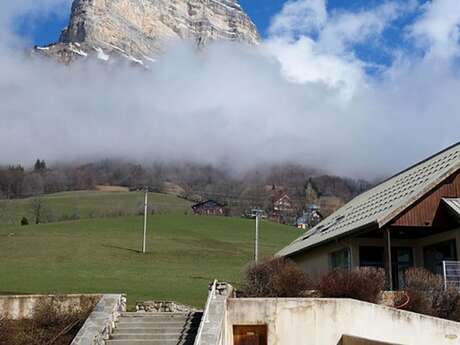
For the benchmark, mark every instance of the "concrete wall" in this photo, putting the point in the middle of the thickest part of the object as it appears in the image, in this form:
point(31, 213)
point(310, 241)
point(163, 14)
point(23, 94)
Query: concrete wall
point(97, 327)
point(22, 306)
point(316, 260)
point(325, 321)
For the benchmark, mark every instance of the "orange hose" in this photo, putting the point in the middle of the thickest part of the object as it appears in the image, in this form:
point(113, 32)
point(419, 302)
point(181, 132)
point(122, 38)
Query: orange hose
point(405, 304)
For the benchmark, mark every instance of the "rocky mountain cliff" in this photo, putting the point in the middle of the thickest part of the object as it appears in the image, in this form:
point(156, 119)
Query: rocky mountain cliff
point(140, 29)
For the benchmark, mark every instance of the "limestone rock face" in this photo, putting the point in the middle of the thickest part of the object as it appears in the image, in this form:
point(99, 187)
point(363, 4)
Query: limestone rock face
point(140, 29)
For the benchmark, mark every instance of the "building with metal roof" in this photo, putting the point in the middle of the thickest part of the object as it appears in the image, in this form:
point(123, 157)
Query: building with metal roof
point(415, 208)
point(209, 208)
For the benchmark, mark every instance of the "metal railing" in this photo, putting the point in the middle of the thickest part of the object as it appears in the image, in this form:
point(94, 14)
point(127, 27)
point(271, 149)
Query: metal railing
point(451, 273)
point(211, 296)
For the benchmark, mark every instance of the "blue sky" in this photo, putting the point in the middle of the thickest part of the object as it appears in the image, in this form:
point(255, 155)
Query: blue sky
point(47, 30)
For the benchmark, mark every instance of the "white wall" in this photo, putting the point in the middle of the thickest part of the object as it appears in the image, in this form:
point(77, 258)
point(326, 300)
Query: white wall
point(324, 321)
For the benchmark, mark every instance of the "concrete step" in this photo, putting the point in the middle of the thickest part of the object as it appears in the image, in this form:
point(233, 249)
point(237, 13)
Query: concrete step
point(141, 342)
point(157, 330)
point(147, 336)
point(148, 314)
point(148, 342)
point(143, 314)
point(152, 319)
point(159, 316)
point(146, 324)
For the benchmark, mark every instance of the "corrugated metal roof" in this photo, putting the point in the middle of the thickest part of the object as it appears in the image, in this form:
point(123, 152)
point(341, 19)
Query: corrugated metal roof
point(382, 203)
point(454, 205)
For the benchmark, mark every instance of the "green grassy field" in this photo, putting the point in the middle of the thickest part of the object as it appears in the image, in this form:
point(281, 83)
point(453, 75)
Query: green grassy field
point(90, 204)
point(101, 255)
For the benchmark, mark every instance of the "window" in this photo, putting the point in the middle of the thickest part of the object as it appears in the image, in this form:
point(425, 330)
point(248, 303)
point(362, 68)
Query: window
point(401, 257)
point(434, 255)
point(340, 259)
point(372, 257)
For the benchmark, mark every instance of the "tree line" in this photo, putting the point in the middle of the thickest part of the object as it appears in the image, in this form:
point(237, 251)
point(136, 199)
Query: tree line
point(192, 181)
point(16, 181)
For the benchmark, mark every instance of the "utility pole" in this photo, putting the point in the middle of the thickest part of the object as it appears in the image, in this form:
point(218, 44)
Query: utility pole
point(256, 244)
point(146, 209)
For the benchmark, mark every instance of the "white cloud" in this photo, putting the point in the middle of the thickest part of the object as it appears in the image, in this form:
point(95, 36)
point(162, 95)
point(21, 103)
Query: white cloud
point(302, 61)
point(314, 46)
point(437, 30)
point(299, 17)
point(344, 29)
point(296, 97)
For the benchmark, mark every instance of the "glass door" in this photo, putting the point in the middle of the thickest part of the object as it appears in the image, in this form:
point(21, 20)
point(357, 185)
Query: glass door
point(402, 259)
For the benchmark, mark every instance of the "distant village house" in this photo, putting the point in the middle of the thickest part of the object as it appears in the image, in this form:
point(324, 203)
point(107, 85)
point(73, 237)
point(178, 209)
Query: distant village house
point(209, 208)
point(283, 210)
point(310, 218)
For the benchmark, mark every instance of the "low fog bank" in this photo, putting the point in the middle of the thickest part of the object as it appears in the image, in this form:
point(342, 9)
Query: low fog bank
point(294, 98)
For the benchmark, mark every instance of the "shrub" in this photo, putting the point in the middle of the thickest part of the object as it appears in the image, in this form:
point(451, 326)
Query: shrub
point(275, 277)
point(429, 296)
point(24, 221)
point(364, 283)
point(3, 332)
point(51, 324)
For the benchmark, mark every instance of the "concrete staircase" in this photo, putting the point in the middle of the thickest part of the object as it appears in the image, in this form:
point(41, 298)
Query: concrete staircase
point(156, 329)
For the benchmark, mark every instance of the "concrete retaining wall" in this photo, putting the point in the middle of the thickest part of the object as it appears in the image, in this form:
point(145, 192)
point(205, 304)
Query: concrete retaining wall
point(97, 327)
point(325, 321)
point(21, 307)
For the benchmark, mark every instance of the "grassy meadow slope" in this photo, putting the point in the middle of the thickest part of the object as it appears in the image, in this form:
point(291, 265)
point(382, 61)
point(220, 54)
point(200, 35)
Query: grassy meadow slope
point(86, 204)
point(101, 255)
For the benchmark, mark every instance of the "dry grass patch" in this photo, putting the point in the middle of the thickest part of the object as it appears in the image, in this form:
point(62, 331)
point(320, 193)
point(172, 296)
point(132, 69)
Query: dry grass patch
point(112, 189)
point(51, 324)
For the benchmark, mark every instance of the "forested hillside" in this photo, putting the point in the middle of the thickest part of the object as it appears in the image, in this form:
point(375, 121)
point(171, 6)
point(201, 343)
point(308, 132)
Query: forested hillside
point(237, 190)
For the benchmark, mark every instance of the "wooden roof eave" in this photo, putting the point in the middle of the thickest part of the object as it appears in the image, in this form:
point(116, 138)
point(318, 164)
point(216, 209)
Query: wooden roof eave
point(391, 217)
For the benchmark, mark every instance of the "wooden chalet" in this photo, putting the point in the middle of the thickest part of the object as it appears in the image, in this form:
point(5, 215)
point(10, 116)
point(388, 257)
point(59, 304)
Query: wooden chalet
point(209, 208)
point(282, 208)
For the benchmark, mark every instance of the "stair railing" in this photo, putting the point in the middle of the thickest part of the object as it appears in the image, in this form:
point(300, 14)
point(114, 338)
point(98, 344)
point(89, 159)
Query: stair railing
point(211, 296)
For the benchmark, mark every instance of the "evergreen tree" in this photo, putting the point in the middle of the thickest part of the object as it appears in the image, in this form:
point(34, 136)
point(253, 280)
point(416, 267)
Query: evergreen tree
point(40, 165)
